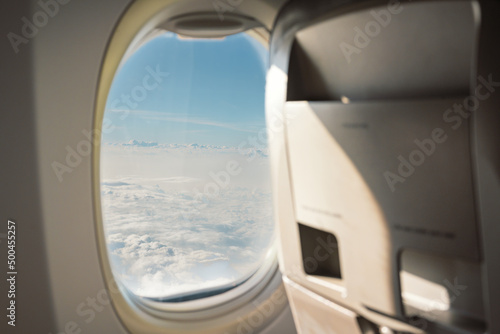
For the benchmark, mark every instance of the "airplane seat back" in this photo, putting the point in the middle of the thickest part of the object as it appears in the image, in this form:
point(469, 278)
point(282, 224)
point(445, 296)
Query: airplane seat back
point(386, 171)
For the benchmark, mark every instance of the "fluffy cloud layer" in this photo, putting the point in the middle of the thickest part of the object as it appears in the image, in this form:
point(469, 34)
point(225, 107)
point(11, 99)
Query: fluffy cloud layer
point(165, 234)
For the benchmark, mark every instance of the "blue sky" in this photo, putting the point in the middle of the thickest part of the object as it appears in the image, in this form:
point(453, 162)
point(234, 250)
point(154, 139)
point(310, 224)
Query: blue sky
point(213, 94)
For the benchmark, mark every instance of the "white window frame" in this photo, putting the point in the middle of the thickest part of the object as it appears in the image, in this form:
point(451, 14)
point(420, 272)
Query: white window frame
point(257, 301)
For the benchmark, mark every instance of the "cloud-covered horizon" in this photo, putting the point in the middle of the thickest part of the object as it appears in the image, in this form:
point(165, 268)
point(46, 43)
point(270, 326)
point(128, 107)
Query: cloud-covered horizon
point(165, 234)
point(245, 150)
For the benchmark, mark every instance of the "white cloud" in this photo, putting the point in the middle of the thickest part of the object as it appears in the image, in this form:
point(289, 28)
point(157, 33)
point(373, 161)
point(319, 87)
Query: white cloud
point(141, 143)
point(164, 238)
point(155, 147)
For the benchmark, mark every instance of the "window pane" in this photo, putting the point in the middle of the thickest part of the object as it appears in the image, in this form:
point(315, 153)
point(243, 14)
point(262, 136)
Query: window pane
point(186, 198)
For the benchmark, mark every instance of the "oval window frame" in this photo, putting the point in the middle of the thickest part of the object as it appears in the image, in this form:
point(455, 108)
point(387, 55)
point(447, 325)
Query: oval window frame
point(215, 314)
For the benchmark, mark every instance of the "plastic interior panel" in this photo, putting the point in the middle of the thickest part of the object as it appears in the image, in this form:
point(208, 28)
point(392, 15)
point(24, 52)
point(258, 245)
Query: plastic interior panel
point(443, 289)
point(405, 88)
point(350, 147)
point(386, 52)
point(315, 314)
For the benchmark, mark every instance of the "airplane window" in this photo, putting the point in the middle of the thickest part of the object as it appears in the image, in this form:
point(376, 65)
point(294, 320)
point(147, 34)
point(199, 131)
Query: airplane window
point(185, 184)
